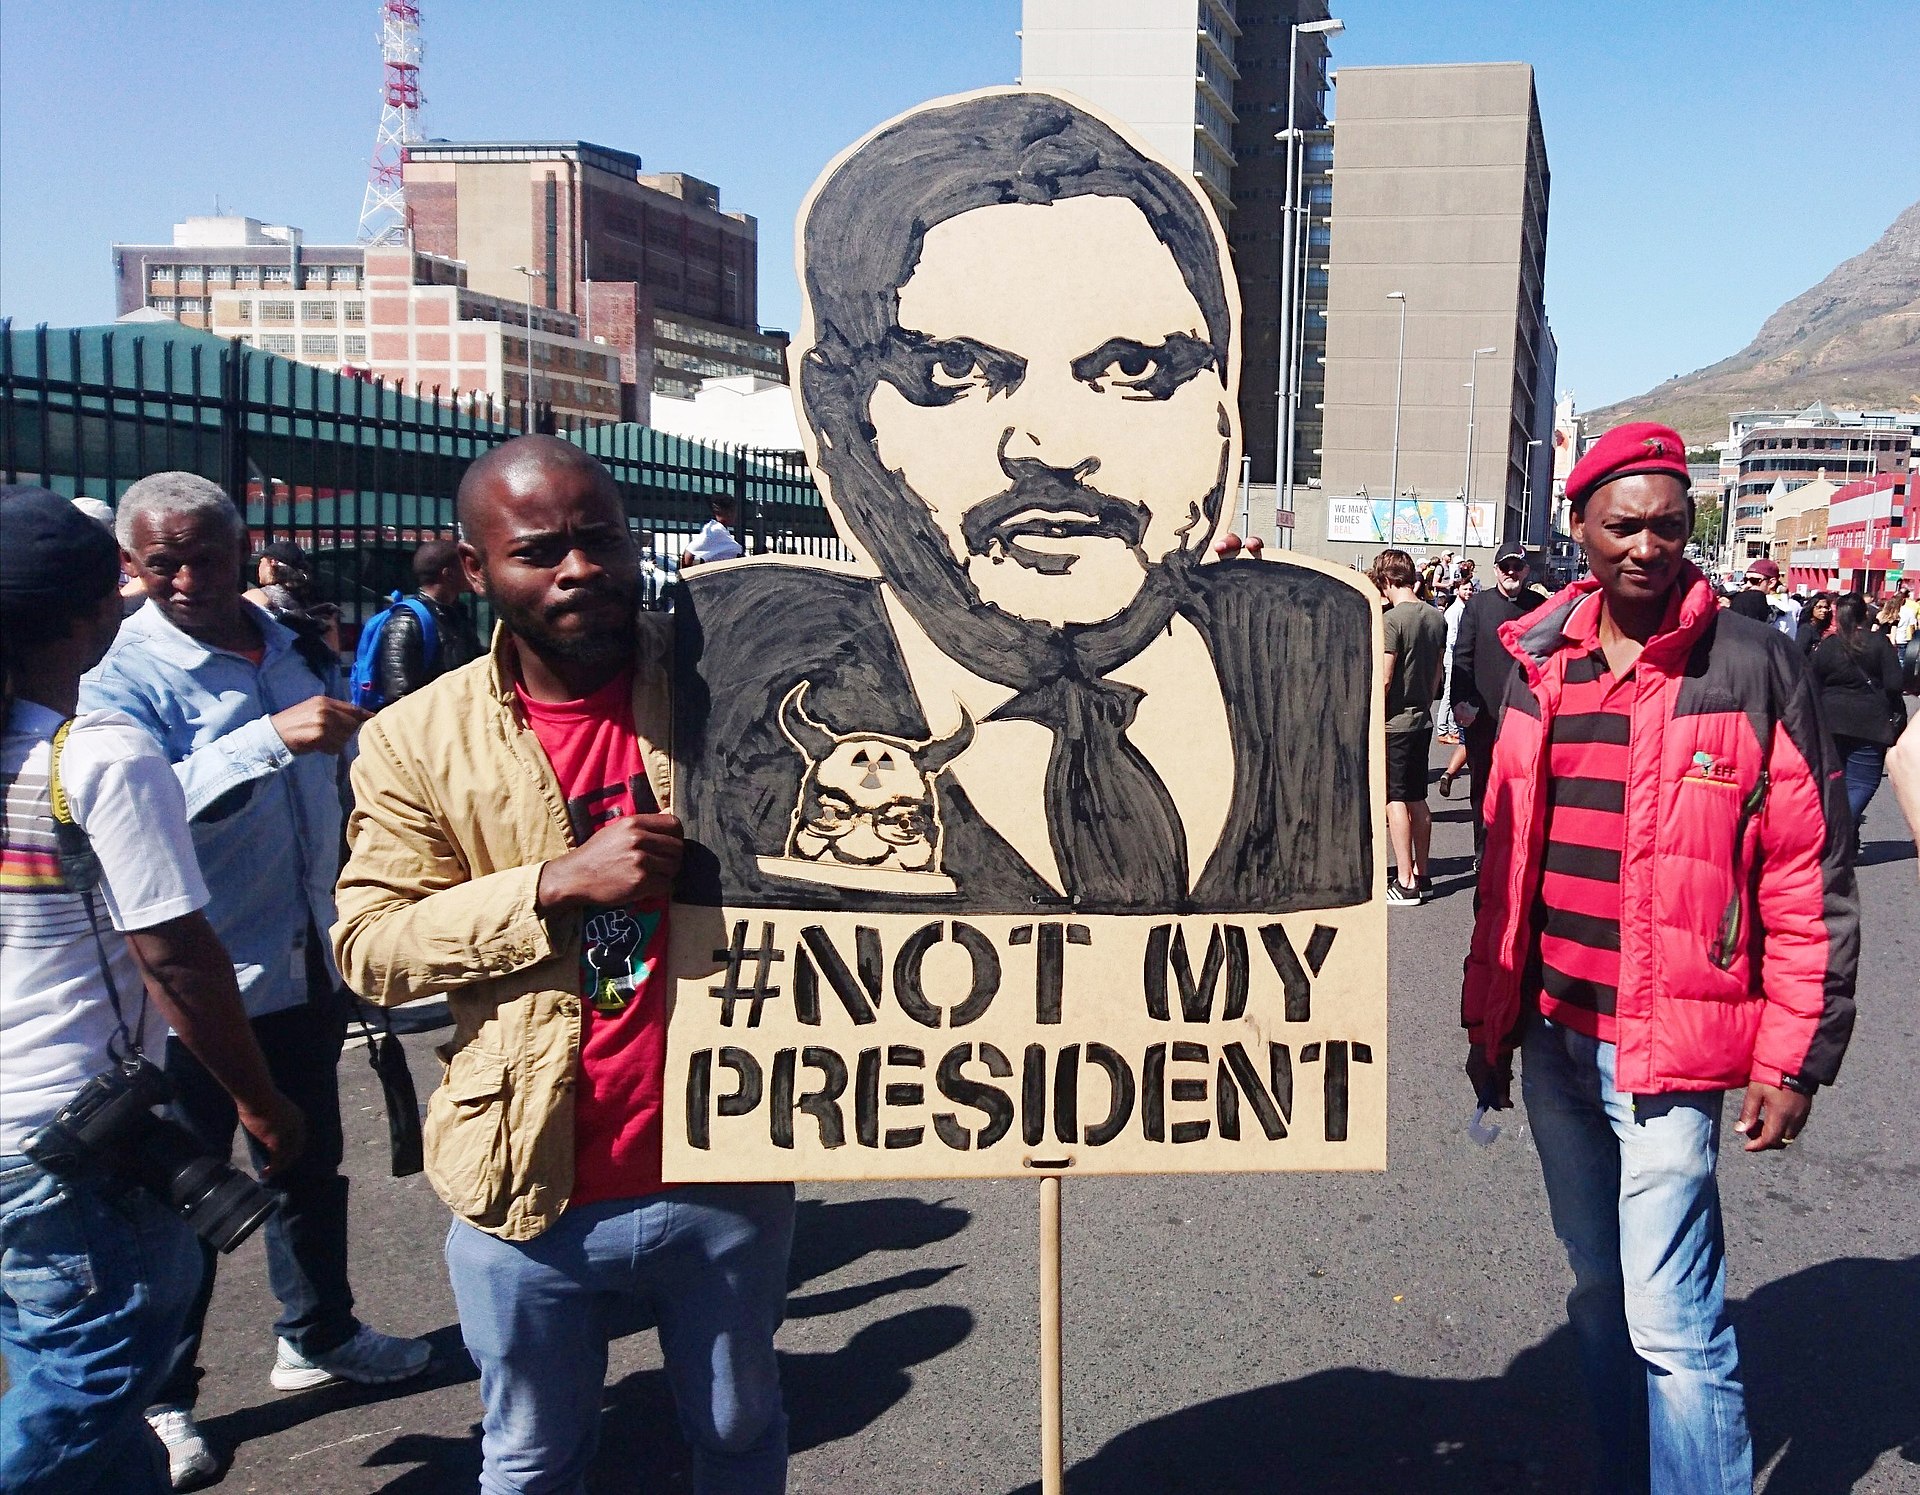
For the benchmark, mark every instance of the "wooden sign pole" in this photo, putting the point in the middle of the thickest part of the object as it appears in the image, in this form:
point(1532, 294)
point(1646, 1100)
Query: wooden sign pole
point(1051, 1465)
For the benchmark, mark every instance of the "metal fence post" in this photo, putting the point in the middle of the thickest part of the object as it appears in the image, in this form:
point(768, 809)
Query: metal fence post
point(233, 426)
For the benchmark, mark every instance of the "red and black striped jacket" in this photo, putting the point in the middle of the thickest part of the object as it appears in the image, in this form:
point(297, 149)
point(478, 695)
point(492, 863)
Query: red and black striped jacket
point(1739, 917)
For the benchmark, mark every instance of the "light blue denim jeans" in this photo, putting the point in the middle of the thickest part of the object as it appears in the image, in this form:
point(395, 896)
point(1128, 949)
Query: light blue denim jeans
point(709, 1261)
point(95, 1280)
point(1631, 1182)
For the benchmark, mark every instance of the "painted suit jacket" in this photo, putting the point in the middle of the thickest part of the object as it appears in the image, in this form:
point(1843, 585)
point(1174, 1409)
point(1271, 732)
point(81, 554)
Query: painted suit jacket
point(1293, 650)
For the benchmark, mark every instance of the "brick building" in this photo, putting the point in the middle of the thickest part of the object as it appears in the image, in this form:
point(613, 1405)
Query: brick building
point(647, 263)
point(414, 321)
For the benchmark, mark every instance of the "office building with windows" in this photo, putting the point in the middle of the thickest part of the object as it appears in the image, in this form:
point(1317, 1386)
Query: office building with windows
point(1773, 453)
point(416, 322)
point(212, 254)
point(650, 264)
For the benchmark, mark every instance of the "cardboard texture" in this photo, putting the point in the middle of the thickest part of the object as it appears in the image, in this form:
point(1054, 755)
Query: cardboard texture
point(1034, 838)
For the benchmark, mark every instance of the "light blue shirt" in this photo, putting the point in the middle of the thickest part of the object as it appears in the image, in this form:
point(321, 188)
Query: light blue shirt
point(266, 823)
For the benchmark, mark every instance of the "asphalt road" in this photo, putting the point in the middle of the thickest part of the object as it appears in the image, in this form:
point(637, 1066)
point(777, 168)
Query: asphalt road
point(1355, 1333)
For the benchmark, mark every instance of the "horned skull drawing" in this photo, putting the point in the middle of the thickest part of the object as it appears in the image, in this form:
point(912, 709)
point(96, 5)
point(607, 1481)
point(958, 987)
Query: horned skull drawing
point(867, 799)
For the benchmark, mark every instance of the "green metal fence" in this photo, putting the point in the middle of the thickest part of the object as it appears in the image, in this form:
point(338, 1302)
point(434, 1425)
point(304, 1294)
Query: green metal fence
point(355, 471)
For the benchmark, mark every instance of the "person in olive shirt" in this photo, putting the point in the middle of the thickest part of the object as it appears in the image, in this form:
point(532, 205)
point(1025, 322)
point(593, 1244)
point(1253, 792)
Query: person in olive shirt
point(1416, 649)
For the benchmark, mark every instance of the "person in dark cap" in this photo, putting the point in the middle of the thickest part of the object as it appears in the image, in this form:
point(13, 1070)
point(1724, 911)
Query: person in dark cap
point(1667, 912)
point(103, 946)
point(284, 586)
point(1481, 669)
point(1756, 598)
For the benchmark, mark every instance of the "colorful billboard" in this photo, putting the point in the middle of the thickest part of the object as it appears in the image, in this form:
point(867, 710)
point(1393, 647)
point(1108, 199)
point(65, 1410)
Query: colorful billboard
point(1413, 521)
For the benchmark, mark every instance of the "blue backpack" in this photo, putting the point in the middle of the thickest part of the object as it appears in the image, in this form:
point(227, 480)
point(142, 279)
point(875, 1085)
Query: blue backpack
point(363, 685)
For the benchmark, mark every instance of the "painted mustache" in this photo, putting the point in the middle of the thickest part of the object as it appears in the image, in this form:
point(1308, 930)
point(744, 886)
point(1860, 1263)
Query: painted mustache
point(1047, 502)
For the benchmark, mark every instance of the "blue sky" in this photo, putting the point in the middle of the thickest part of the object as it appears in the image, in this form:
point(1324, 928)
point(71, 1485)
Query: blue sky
point(1710, 158)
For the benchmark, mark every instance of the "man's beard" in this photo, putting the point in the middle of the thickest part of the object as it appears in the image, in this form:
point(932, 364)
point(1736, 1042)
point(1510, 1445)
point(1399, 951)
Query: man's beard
point(895, 527)
point(534, 626)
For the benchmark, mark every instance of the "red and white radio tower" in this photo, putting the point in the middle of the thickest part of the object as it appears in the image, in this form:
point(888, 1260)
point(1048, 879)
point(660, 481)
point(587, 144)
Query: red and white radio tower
point(384, 208)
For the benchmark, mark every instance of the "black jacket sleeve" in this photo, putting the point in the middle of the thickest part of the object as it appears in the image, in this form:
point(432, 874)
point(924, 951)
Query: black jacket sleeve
point(401, 665)
point(1465, 691)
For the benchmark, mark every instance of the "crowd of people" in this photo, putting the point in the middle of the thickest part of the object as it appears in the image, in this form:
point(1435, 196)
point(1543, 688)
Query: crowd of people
point(179, 926)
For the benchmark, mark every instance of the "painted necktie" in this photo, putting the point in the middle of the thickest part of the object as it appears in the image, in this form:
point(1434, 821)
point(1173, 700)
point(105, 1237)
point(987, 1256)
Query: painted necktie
point(1115, 831)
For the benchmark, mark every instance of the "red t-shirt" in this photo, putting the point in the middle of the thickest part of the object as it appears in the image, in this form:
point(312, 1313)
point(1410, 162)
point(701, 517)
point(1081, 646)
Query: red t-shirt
point(623, 1033)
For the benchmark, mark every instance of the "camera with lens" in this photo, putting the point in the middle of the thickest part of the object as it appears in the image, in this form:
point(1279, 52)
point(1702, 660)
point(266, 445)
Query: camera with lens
point(110, 1127)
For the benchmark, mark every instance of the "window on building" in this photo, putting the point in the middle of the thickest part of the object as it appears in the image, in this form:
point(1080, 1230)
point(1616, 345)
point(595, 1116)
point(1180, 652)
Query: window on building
point(276, 342)
point(246, 275)
point(276, 274)
point(356, 345)
point(188, 273)
point(242, 311)
point(353, 313)
point(276, 311)
point(161, 303)
point(319, 311)
point(319, 347)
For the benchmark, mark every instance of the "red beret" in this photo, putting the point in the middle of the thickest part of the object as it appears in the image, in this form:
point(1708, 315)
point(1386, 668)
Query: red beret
point(1638, 446)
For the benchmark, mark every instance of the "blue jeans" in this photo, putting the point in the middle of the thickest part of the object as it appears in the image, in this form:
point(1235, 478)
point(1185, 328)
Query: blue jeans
point(306, 1238)
point(1631, 1182)
point(710, 1261)
point(1863, 760)
point(94, 1281)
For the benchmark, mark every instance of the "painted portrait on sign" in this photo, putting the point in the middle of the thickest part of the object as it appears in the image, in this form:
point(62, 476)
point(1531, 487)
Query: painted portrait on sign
point(1033, 689)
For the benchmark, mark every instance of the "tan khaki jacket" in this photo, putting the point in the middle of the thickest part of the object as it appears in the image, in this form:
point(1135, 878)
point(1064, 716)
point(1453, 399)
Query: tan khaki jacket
point(455, 810)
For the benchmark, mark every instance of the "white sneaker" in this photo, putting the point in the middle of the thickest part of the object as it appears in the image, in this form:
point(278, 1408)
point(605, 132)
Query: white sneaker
point(191, 1462)
point(369, 1358)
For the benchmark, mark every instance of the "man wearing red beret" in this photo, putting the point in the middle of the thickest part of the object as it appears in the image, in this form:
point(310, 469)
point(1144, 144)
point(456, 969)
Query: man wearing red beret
point(1667, 912)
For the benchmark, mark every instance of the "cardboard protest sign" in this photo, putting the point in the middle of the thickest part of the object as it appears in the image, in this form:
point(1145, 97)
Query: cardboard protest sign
point(1033, 838)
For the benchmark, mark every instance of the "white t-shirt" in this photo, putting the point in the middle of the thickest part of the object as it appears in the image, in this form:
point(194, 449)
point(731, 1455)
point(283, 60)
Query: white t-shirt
point(1907, 621)
point(715, 542)
point(55, 1015)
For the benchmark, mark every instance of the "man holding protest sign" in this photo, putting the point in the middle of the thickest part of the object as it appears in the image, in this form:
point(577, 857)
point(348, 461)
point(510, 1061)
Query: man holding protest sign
point(1667, 912)
point(509, 849)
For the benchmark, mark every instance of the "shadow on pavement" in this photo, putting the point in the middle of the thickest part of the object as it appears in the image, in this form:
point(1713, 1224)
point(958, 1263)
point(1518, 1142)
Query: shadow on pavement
point(1874, 853)
point(450, 1366)
point(1832, 1385)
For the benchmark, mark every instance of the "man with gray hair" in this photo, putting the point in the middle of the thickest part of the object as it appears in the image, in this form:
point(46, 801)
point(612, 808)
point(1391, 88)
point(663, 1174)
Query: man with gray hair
point(250, 715)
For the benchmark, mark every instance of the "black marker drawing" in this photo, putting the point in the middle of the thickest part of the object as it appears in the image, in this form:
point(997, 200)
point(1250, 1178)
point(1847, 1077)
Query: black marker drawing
point(1031, 694)
point(869, 808)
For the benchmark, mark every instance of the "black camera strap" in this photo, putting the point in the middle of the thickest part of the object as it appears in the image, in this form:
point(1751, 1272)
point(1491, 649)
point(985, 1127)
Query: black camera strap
point(80, 869)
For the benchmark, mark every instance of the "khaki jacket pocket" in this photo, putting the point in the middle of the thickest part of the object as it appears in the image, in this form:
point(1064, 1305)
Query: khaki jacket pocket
point(466, 1135)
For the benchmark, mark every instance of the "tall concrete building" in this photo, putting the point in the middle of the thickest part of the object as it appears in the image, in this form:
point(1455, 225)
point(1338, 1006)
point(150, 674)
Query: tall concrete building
point(648, 263)
point(1440, 195)
point(1205, 83)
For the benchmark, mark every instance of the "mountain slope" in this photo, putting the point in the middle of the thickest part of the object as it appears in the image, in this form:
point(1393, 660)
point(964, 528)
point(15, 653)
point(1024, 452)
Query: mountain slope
point(1852, 341)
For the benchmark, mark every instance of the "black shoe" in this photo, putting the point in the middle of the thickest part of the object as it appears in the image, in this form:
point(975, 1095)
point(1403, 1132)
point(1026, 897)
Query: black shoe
point(1423, 885)
point(1446, 785)
point(1397, 892)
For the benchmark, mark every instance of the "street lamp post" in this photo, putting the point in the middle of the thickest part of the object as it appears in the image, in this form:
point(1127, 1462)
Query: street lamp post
point(526, 412)
point(1473, 394)
point(1526, 512)
point(1399, 383)
point(1289, 256)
